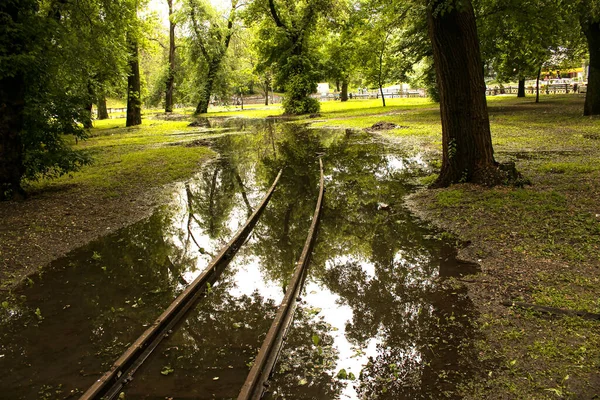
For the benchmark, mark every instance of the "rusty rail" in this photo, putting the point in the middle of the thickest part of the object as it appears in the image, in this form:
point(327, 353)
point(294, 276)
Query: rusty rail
point(110, 384)
point(256, 382)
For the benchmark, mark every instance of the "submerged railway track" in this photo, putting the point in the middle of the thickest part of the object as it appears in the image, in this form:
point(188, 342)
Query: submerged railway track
point(111, 383)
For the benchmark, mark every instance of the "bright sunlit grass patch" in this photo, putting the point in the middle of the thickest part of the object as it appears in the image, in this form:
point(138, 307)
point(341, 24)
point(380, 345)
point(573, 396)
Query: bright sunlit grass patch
point(136, 158)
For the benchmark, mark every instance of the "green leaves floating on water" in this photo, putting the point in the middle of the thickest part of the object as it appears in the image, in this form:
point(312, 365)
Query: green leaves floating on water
point(167, 370)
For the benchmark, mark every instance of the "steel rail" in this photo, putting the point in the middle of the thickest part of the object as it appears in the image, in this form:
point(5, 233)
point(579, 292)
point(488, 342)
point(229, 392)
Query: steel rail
point(121, 372)
point(257, 380)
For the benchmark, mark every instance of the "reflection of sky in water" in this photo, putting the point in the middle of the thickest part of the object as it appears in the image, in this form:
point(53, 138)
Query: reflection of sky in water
point(189, 237)
point(338, 315)
point(353, 358)
point(248, 279)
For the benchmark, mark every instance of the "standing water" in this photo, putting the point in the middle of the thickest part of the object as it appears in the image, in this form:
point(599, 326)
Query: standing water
point(376, 319)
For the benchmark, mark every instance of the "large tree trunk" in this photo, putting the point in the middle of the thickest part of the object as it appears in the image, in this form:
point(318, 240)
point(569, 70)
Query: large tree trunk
point(134, 102)
point(102, 110)
point(468, 155)
point(171, 77)
point(521, 92)
point(592, 97)
point(12, 103)
point(213, 67)
point(344, 95)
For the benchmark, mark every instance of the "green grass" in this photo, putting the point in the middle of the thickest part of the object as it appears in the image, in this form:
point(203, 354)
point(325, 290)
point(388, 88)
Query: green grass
point(137, 158)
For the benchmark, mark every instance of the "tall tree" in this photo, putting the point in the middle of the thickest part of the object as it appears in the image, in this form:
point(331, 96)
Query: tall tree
point(211, 40)
point(49, 69)
point(519, 37)
point(468, 155)
point(134, 100)
point(287, 33)
point(589, 11)
point(171, 74)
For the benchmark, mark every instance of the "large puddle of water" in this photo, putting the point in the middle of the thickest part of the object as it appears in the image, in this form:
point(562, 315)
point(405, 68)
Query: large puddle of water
point(376, 319)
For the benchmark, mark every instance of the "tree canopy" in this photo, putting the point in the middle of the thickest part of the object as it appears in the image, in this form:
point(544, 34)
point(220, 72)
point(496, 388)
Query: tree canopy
point(58, 58)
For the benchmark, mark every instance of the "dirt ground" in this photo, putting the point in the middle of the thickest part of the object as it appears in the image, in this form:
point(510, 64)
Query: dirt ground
point(50, 224)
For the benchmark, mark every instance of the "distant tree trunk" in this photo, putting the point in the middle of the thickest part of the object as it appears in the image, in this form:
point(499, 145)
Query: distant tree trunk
point(382, 96)
point(592, 98)
point(265, 86)
point(213, 68)
point(87, 122)
point(537, 86)
point(134, 102)
point(171, 77)
point(468, 155)
point(102, 110)
point(521, 92)
point(12, 103)
point(344, 95)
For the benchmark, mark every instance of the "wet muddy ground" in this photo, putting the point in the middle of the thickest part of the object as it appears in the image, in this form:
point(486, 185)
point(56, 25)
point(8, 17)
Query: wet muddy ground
point(377, 318)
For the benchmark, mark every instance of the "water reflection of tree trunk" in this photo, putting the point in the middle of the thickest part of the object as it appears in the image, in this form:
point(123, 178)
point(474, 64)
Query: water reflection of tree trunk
point(192, 217)
point(173, 270)
point(211, 200)
point(286, 222)
point(238, 178)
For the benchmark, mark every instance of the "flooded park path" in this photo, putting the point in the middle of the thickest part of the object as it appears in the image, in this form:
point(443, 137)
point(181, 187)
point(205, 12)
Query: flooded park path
point(376, 319)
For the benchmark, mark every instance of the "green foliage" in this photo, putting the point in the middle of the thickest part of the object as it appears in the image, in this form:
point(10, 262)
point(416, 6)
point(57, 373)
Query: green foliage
point(297, 99)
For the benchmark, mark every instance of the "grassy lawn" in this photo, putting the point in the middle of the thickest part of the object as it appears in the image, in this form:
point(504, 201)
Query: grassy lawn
point(137, 158)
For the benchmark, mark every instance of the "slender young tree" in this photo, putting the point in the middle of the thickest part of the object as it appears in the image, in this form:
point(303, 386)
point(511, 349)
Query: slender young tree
point(134, 101)
point(171, 76)
point(468, 155)
point(212, 40)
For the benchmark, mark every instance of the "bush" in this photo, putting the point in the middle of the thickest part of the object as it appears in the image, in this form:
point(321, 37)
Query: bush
point(297, 98)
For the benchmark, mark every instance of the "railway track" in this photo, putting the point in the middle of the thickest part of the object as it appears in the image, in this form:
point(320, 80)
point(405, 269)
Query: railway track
point(112, 382)
point(110, 385)
point(256, 382)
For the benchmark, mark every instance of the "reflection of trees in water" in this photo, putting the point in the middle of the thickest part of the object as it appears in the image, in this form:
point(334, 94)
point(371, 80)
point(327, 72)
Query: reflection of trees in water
point(424, 350)
point(92, 303)
point(284, 225)
point(307, 352)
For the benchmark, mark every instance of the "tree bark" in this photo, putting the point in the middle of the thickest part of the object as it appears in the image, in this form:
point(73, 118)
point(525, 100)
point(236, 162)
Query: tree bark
point(87, 122)
point(521, 92)
point(102, 110)
point(592, 98)
point(468, 155)
point(537, 86)
point(12, 104)
point(344, 94)
point(382, 96)
point(134, 102)
point(171, 78)
point(213, 68)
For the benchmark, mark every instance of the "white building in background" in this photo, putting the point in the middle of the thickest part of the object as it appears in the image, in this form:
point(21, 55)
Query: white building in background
point(323, 88)
point(395, 89)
